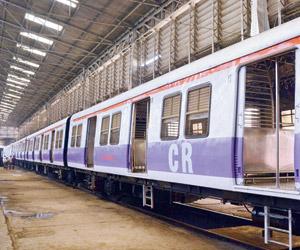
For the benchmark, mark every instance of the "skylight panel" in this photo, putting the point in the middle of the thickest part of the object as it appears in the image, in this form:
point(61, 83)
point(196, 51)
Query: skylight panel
point(13, 96)
point(14, 86)
point(17, 82)
point(70, 3)
point(7, 103)
point(43, 22)
point(28, 72)
point(33, 51)
point(37, 38)
point(20, 60)
point(15, 91)
point(7, 106)
point(18, 78)
point(6, 111)
point(10, 101)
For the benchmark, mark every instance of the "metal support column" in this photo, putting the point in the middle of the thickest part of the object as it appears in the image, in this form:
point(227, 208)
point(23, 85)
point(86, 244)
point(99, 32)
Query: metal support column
point(277, 122)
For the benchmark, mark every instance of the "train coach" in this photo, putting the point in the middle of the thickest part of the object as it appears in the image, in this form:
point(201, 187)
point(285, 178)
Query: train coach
point(226, 126)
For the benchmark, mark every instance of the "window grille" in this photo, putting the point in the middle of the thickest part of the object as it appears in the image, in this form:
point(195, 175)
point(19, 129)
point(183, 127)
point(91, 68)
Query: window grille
point(73, 139)
point(115, 129)
point(78, 135)
point(60, 139)
point(197, 116)
point(170, 117)
point(104, 131)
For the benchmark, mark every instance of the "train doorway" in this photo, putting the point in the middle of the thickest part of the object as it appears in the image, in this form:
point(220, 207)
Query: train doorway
point(268, 122)
point(41, 148)
point(140, 119)
point(90, 141)
point(52, 145)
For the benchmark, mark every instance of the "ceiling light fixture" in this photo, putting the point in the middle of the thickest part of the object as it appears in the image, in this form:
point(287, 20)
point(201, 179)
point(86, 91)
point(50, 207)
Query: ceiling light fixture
point(33, 51)
point(10, 101)
point(70, 3)
point(43, 22)
point(14, 86)
point(17, 82)
point(6, 111)
point(18, 78)
point(20, 60)
point(7, 104)
point(11, 95)
point(15, 91)
point(37, 38)
point(28, 72)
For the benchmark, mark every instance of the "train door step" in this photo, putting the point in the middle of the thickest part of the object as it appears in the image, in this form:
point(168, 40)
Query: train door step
point(148, 196)
point(268, 228)
point(139, 168)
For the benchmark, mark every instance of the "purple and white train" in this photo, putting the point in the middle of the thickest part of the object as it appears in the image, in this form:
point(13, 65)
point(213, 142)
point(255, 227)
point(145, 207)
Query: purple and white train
point(208, 128)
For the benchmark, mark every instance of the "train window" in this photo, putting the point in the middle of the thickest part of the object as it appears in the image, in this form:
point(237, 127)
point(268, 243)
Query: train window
point(170, 117)
point(56, 139)
point(31, 145)
point(78, 135)
point(197, 115)
point(46, 142)
point(104, 130)
point(73, 139)
point(115, 129)
point(60, 139)
point(37, 144)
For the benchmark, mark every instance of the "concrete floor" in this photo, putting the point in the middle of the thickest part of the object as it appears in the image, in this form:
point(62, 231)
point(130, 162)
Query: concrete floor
point(41, 214)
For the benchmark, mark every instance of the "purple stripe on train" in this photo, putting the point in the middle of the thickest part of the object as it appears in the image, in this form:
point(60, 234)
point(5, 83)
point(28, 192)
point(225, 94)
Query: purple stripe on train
point(76, 155)
point(58, 155)
point(297, 157)
point(45, 156)
point(111, 156)
point(210, 157)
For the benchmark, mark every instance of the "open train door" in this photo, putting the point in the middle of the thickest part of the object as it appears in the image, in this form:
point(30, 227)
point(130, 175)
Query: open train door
point(52, 145)
point(297, 121)
point(139, 135)
point(238, 164)
point(41, 147)
point(90, 141)
point(265, 153)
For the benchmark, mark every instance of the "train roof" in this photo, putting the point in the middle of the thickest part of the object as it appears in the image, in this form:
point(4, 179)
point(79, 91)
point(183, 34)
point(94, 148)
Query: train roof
point(242, 49)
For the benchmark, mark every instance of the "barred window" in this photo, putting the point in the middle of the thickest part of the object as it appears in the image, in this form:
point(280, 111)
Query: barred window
point(46, 142)
point(170, 118)
point(197, 115)
point(60, 141)
point(37, 143)
point(57, 138)
point(31, 145)
point(78, 135)
point(104, 131)
point(115, 128)
point(73, 139)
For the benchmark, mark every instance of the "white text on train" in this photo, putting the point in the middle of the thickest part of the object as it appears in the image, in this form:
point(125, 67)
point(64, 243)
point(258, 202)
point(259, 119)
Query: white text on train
point(186, 154)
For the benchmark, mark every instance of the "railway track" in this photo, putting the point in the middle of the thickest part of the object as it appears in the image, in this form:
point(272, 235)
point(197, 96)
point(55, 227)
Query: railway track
point(191, 217)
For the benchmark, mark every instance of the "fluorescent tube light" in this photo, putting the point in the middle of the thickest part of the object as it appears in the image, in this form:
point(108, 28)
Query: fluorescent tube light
point(22, 70)
point(13, 96)
point(17, 82)
point(14, 86)
point(20, 60)
point(43, 22)
point(18, 78)
point(37, 38)
point(15, 91)
point(33, 51)
point(70, 3)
